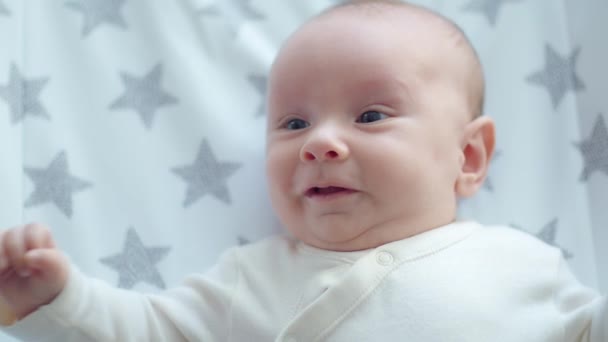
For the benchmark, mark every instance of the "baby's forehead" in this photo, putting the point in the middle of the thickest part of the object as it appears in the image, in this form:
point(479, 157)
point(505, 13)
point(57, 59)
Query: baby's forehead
point(404, 23)
point(412, 38)
point(441, 44)
point(364, 38)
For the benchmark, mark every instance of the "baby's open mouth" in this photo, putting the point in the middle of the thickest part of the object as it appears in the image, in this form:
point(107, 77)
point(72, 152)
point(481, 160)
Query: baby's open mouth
point(328, 190)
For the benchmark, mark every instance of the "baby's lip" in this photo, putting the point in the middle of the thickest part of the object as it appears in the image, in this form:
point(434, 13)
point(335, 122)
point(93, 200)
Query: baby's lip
point(325, 190)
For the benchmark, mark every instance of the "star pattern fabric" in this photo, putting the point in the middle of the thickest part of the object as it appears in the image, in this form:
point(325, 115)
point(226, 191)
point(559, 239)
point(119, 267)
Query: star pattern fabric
point(489, 8)
point(22, 96)
point(259, 83)
point(144, 95)
point(206, 176)
point(559, 75)
point(248, 11)
point(548, 235)
point(98, 12)
point(240, 10)
point(595, 150)
point(54, 184)
point(234, 12)
point(242, 241)
point(3, 9)
point(137, 263)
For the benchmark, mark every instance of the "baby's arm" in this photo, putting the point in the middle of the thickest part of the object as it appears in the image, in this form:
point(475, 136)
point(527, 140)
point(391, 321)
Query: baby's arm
point(91, 310)
point(32, 270)
point(86, 309)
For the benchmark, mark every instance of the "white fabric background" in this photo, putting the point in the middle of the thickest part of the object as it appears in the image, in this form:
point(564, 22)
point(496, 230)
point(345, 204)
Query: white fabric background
point(106, 104)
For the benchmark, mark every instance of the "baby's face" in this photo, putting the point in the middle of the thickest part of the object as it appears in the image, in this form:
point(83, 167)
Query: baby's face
point(363, 140)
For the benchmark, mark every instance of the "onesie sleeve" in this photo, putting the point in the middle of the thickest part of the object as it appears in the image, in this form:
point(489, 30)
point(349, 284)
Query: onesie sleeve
point(92, 310)
point(582, 310)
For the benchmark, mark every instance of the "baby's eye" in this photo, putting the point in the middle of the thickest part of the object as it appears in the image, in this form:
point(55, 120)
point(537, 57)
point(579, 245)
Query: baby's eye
point(371, 116)
point(294, 124)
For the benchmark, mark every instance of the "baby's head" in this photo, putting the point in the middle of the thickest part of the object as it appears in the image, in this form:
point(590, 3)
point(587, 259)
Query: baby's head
point(374, 127)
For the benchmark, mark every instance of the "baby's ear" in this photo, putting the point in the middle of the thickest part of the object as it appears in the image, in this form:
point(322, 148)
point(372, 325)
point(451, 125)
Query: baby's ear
point(477, 150)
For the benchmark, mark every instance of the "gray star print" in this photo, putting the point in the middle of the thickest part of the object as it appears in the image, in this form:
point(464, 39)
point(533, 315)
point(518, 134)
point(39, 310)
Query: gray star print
point(242, 241)
point(559, 75)
point(488, 7)
point(206, 175)
point(97, 12)
point(3, 9)
point(144, 95)
point(21, 95)
point(595, 150)
point(548, 234)
point(136, 262)
point(259, 82)
point(55, 184)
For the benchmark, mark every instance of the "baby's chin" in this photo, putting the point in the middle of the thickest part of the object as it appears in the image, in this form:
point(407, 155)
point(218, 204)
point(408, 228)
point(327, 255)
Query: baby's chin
point(340, 240)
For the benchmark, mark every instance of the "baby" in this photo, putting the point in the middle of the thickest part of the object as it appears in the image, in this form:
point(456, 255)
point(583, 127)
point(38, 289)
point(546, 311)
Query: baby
point(374, 133)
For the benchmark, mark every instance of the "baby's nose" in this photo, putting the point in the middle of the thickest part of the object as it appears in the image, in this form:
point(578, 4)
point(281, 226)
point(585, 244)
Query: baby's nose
point(324, 148)
point(329, 155)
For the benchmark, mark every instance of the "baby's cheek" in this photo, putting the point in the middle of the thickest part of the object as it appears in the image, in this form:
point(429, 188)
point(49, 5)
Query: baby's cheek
point(276, 162)
point(280, 170)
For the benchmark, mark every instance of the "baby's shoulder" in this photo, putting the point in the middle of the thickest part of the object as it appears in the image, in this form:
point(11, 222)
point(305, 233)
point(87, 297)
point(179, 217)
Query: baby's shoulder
point(266, 250)
point(508, 233)
point(514, 243)
point(275, 242)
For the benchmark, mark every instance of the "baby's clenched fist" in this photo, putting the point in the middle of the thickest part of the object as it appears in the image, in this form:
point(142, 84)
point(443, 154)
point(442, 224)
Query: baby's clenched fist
point(32, 270)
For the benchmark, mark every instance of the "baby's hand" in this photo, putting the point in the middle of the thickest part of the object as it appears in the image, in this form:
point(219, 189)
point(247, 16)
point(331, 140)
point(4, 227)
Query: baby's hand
point(32, 270)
